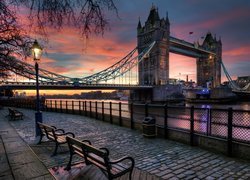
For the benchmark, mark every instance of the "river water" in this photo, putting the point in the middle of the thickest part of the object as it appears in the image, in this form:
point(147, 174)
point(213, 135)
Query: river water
point(236, 105)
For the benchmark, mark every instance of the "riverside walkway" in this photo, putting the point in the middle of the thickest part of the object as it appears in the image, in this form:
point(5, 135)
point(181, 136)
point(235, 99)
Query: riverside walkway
point(17, 160)
point(156, 158)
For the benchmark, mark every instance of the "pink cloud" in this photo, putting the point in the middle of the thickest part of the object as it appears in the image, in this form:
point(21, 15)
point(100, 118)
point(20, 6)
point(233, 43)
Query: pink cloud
point(182, 30)
point(245, 50)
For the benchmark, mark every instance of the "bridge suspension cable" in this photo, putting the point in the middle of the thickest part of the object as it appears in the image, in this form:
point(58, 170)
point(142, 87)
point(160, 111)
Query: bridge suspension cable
point(116, 70)
point(120, 68)
point(27, 70)
point(232, 83)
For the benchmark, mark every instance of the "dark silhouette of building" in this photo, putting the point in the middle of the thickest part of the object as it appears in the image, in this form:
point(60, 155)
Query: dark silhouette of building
point(154, 69)
point(209, 68)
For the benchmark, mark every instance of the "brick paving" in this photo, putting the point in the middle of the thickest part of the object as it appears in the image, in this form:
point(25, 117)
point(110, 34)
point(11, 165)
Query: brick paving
point(163, 158)
point(17, 160)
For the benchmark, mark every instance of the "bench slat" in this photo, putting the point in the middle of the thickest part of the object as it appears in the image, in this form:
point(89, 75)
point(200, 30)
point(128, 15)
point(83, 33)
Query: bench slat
point(100, 158)
point(59, 137)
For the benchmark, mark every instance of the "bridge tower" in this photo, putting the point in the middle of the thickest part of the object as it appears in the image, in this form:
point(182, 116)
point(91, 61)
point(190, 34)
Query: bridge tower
point(154, 69)
point(209, 68)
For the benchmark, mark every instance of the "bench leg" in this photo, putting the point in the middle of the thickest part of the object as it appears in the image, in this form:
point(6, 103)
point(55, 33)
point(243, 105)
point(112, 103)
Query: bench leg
point(68, 167)
point(55, 151)
point(130, 174)
point(40, 139)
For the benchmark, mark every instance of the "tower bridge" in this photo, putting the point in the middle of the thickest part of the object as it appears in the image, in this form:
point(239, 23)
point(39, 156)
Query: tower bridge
point(155, 67)
point(147, 72)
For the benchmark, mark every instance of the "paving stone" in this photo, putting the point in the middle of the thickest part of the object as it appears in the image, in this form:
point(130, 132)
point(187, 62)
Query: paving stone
point(168, 176)
point(189, 172)
point(162, 173)
point(173, 178)
point(181, 176)
point(190, 177)
point(209, 178)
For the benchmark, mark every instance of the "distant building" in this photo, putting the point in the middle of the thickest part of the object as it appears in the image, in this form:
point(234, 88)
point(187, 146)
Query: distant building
point(16, 94)
point(243, 81)
point(22, 94)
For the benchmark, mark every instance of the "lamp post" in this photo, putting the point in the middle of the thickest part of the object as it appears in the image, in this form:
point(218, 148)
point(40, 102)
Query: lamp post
point(37, 52)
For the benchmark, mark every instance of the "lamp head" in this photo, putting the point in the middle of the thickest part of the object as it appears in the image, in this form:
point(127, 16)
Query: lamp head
point(36, 51)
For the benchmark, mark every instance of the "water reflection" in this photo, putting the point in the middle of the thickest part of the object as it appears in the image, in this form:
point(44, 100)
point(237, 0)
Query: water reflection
point(237, 105)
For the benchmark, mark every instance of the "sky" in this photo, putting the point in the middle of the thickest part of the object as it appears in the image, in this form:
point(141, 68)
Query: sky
point(229, 20)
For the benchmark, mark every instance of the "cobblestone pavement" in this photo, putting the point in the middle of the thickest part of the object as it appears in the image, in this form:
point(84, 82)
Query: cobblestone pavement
point(163, 158)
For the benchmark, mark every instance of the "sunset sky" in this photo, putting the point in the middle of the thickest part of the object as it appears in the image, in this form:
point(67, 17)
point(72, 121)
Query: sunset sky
point(68, 55)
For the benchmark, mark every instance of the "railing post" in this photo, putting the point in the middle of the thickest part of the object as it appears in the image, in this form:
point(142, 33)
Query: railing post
point(45, 105)
point(51, 108)
point(103, 111)
point(146, 109)
point(110, 112)
point(66, 106)
point(90, 109)
point(96, 115)
point(120, 113)
point(85, 107)
point(73, 108)
point(166, 120)
point(61, 106)
point(230, 132)
point(55, 106)
point(131, 116)
point(192, 126)
point(208, 122)
point(79, 103)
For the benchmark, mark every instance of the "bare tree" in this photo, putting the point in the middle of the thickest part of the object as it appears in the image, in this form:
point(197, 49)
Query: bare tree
point(88, 16)
point(13, 41)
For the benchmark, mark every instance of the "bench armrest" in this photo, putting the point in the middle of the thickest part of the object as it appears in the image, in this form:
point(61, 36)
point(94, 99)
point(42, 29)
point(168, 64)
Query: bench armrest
point(62, 131)
point(105, 149)
point(123, 159)
point(87, 141)
point(16, 111)
point(54, 127)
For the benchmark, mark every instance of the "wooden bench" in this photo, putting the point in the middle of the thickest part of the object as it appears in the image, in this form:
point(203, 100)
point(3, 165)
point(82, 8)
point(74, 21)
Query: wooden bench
point(52, 133)
point(15, 114)
point(100, 158)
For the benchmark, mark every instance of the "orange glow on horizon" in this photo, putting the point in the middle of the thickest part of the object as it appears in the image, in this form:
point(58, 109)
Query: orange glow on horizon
point(57, 92)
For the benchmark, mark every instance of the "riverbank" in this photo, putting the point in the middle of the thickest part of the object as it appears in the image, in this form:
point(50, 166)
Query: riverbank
point(159, 157)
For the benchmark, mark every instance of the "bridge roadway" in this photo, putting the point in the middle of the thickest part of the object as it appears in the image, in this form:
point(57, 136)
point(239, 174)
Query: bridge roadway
point(58, 86)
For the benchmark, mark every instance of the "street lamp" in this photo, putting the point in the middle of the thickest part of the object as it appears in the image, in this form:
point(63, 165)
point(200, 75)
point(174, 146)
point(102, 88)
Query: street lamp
point(36, 53)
